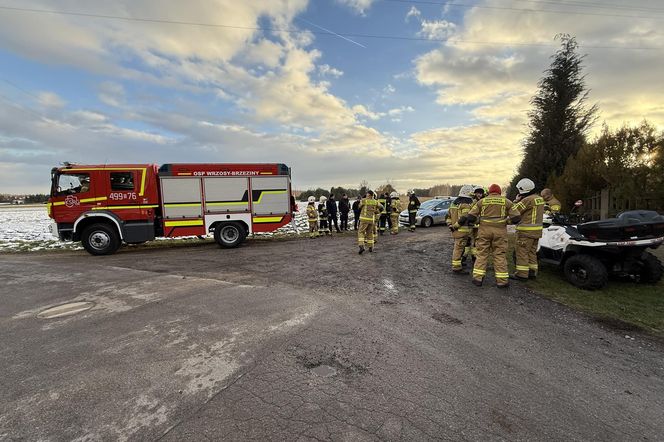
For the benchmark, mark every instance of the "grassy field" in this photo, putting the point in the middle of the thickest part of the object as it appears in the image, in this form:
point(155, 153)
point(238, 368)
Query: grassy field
point(624, 305)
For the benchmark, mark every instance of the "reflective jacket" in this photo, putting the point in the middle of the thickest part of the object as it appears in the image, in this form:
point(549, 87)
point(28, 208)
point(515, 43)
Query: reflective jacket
point(552, 205)
point(459, 207)
point(312, 213)
point(413, 204)
point(383, 202)
point(396, 205)
point(531, 209)
point(494, 211)
point(369, 209)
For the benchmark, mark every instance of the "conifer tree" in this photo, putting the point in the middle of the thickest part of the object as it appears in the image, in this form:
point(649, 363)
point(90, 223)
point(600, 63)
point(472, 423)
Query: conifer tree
point(559, 120)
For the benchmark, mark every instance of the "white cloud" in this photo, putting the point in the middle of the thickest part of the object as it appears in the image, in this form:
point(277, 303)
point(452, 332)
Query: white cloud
point(413, 13)
point(50, 100)
point(359, 6)
point(326, 69)
point(437, 29)
point(399, 111)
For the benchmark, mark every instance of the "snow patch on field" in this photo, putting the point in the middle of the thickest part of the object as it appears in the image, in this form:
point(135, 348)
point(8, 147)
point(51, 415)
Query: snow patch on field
point(25, 229)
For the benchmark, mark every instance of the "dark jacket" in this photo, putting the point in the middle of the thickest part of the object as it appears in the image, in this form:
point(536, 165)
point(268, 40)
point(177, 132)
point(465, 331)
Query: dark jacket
point(356, 206)
point(331, 207)
point(322, 211)
point(344, 205)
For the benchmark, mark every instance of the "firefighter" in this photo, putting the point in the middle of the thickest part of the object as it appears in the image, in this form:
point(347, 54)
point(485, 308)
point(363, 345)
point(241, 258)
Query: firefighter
point(369, 208)
point(413, 207)
point(395, 210)
point(529, 229)
point(382, 200)
point(461, 234)
point(312, 216)
point(492, 213)
point(551, 203)
point(323, 216)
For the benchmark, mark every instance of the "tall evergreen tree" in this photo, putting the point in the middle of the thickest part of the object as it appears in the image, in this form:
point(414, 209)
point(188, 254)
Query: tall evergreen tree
point(559, 120)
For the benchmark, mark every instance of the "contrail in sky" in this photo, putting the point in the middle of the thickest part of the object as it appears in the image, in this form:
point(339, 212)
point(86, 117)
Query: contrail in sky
point(332, 32)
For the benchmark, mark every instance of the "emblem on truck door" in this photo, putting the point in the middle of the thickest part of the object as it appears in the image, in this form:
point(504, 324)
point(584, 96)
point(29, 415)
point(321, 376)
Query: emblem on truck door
point(71, 201)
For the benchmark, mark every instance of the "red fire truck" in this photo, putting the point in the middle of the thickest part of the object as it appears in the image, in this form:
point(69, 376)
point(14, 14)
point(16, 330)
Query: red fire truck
point(105, 205)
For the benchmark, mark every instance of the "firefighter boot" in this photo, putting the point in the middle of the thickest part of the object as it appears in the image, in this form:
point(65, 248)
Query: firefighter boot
point(361, 251)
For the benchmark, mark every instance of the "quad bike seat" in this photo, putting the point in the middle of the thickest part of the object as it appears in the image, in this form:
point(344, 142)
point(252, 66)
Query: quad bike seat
point(634, 224)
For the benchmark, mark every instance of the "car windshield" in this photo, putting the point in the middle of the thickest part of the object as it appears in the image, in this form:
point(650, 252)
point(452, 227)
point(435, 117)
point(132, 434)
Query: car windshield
point(429, 204)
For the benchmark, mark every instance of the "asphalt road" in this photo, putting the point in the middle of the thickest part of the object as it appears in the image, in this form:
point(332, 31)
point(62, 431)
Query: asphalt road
point(306, 340)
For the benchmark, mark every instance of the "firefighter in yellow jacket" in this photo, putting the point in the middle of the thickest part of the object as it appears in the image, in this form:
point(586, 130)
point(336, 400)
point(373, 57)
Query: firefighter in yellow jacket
point(312, 216)
point(529, 229)
point(492, 214)
point(395, 208)
point(551, 203)
point(461, 234)
point(369, 210)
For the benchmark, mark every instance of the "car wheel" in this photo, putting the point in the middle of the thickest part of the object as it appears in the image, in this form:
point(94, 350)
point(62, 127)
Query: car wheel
point(229, 235)
point(100, 239)
point(586, 272)
point(427, 221)
point(652, 270)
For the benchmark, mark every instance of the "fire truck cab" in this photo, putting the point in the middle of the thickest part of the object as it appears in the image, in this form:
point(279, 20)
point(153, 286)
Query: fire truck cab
point(104, 206)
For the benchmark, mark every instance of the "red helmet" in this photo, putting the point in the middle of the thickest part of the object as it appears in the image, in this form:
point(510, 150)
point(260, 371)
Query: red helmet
point(495, 188)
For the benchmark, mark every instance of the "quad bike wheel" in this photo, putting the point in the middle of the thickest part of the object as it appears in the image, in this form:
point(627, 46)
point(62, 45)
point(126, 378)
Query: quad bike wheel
point(586, 272)
point(652, 269)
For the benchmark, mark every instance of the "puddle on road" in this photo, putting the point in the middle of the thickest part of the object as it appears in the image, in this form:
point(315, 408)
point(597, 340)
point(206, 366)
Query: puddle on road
point(63, 310)
point(324, 371)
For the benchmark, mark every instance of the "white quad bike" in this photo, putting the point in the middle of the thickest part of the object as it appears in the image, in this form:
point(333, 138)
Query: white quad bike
point(588, 253)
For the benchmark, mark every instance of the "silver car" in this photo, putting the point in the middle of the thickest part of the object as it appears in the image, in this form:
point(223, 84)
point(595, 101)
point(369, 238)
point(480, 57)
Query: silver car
point(431, 212)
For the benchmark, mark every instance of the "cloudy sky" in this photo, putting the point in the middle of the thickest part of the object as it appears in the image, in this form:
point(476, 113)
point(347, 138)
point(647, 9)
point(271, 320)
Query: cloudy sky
point(443, 99)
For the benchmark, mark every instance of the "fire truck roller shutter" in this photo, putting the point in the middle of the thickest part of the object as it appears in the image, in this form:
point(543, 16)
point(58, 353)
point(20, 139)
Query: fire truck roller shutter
point(270, 195)
point(226, 195)
point(181, 197)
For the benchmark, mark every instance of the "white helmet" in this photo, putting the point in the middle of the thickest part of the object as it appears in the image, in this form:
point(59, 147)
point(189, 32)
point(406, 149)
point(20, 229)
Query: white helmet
point(311, 199)
point(323, 199)
point(525, 185)
point(394, 195)
point(466, 191)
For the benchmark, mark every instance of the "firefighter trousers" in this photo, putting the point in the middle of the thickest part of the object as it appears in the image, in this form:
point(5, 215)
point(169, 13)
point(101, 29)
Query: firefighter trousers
point(313, 229)
point(526, 254)
point(460, 244)
point(394, 228)
point(382, 223)
point(324, 227)
point(365, 235)
point(492, 242)
point(411, 220)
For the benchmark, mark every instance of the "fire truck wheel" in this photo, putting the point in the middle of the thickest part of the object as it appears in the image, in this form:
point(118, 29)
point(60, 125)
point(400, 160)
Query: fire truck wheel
point(229, 235)
point(100, 239)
